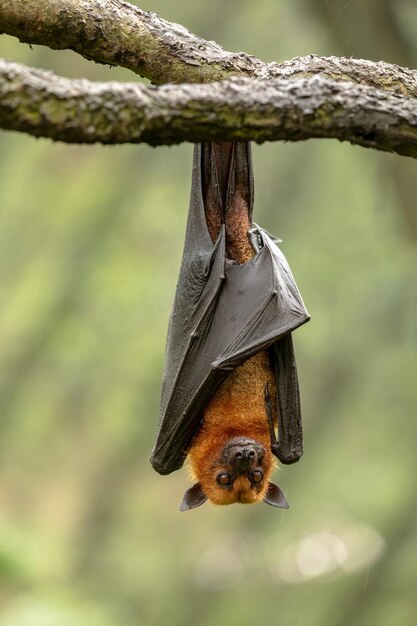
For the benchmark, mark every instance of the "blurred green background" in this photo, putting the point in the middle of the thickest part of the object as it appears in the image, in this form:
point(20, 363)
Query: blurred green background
point(90, 245)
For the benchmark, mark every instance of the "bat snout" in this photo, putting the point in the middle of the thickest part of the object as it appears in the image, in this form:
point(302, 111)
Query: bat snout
point(242, 454)
point(243, 459)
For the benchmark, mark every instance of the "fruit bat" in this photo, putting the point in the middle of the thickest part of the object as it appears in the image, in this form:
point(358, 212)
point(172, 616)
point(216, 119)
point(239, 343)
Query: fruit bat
point(230, 396)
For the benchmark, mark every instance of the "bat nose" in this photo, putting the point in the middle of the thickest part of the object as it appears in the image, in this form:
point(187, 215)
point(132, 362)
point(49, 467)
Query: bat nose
point(243, 457)
point(241, 453)
point(245, 453)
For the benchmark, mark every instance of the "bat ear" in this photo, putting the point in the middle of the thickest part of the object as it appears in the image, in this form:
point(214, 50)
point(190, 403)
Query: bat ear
point(275, 497)
point(193, 498)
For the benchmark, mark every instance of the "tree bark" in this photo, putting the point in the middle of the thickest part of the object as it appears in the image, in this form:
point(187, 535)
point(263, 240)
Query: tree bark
point(115, 32)
point(80, 111)
point(299, 99)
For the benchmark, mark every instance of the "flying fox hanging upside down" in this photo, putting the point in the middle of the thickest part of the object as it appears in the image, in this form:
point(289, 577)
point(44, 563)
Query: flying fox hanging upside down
point(231, 455)
point(230, 377)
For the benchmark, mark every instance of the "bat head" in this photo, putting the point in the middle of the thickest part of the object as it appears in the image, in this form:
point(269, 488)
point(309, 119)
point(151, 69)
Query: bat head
point(237, 471)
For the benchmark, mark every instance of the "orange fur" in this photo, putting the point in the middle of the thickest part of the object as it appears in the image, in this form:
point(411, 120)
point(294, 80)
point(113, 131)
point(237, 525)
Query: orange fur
point(236, 409)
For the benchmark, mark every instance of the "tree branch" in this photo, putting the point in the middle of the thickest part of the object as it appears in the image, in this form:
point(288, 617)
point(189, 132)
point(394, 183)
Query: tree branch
point(118, 33)
point(80, 111)
point(302, 98)
point(115, 32)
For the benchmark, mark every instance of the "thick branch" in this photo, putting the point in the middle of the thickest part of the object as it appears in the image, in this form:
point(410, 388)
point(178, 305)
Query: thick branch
point(118, 33)
point(79, 111)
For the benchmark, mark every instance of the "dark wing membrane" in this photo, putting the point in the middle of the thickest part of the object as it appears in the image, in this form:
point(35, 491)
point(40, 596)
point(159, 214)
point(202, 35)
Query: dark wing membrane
point(289, 447)
point(260, 303)
point(223, 314)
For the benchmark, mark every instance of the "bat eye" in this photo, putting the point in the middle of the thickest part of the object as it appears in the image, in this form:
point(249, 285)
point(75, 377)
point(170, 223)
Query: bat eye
point(256, 477)
point(224, 480)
